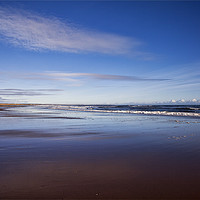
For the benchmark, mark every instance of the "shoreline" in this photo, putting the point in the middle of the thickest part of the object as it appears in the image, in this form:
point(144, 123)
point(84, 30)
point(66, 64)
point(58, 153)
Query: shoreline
point(102, 156)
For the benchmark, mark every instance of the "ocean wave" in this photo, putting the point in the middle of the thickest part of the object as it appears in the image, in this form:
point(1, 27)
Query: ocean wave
point(144, 110)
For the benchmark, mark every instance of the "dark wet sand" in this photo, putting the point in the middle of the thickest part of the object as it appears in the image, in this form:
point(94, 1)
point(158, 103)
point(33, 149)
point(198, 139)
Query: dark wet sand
point(98, 169)
point(160, 160)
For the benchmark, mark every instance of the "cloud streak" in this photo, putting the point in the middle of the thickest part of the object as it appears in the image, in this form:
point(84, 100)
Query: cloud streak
point(35, 32)
point(109, 77)
point(27, 92)
point(76, 79)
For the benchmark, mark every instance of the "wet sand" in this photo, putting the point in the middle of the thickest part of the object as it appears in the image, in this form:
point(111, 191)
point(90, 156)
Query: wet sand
point(99, 156)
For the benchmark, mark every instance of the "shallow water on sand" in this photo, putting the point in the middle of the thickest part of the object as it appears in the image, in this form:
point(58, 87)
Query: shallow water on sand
point(85, 155)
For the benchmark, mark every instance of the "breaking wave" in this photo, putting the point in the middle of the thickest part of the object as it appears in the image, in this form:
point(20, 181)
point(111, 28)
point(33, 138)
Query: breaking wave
point(166, 110)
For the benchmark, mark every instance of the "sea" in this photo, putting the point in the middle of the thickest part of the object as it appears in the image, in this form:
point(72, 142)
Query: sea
point(170, 110)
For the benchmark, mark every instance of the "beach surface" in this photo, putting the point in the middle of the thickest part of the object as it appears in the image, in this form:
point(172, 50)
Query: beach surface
point(60, 154)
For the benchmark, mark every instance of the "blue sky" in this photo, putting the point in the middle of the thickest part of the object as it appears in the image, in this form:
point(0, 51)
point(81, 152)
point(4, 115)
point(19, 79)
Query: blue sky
point(100, 52)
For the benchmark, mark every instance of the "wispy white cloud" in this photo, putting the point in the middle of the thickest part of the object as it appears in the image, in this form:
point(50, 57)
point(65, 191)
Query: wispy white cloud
point(35, 32)
point(100, 76)
point(27, 92)
point(182, 78)
point(65, 79)
point(75, 77)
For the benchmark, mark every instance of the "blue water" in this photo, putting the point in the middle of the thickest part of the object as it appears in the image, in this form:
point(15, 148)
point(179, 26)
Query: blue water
point(169, 110)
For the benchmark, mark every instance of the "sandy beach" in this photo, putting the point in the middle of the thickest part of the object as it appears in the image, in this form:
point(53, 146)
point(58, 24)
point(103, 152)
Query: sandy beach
point(51, 154)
